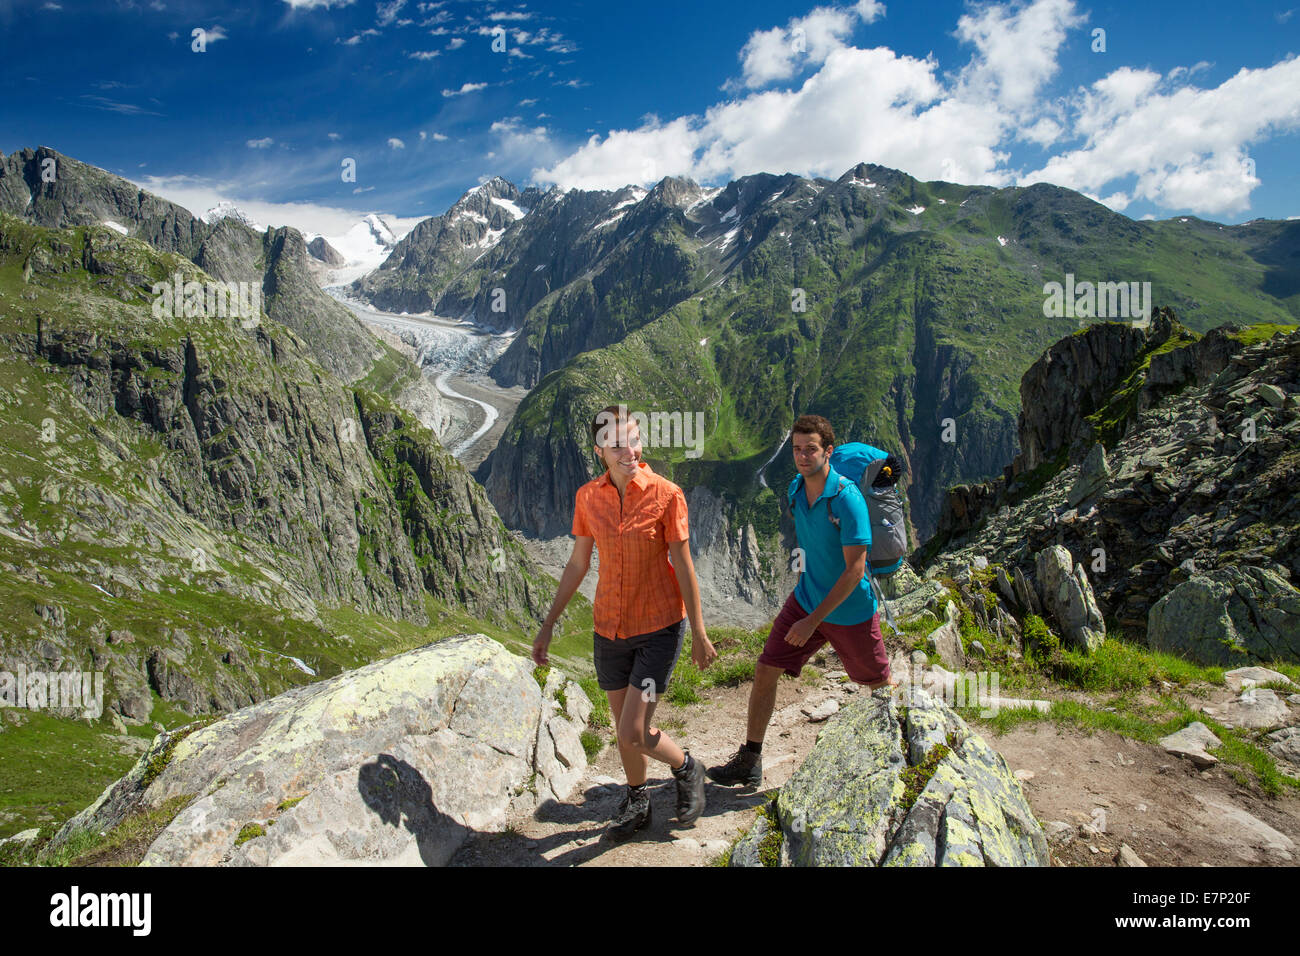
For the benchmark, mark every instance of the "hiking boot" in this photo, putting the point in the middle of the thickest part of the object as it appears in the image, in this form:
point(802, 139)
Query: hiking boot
point(633, 814)
point(746, 767)
point(690, 791)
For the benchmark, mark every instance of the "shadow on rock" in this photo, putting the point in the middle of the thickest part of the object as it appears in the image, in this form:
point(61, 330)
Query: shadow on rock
point(400, 796)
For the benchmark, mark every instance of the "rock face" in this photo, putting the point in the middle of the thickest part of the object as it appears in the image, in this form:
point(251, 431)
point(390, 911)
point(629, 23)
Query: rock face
point(391, 764)
point(322, 250)
point(228, 250)
point(897, 786)
point(218, 468)
point(1066, 595)
point(1229, 616)
point(1204, 484)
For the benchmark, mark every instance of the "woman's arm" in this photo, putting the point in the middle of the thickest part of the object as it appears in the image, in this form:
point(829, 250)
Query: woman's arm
point(702, 651)
point(574, 572)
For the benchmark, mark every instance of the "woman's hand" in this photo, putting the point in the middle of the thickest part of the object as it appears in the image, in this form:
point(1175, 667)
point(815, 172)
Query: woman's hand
point(540, 645)
point(702, 652)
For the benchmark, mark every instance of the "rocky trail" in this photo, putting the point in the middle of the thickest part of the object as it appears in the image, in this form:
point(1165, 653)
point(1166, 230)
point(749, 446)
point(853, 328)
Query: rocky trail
point(1093, 792)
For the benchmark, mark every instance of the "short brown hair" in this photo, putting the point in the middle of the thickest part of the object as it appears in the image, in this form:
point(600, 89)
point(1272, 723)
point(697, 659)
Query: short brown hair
point(815, 425)
point(609, 415)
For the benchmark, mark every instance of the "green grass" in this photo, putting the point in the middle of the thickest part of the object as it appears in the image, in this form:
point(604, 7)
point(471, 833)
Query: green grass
point(600, 713)
point(592, 744)
point(125, 844)
point(250, 831)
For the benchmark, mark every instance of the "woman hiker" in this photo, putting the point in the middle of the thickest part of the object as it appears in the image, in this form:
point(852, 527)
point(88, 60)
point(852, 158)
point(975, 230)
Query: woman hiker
point(638, 520)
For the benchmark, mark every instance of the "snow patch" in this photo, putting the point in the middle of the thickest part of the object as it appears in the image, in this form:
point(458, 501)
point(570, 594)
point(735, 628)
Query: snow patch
point(704, 341)
point(116, 227)
point(514, 210)
point(734, 210)
point(1002, 240)
point(916, 210)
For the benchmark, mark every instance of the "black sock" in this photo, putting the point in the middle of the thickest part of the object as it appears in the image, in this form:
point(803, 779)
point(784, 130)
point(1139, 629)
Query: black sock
point(686, 765)
point(754, 748)
point(637, 790)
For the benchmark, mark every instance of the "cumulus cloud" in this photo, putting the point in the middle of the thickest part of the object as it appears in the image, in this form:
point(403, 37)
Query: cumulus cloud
point(1185, 147)
point(1133, 135)
point(395, 143)
point(259, 143)
point(778, 53)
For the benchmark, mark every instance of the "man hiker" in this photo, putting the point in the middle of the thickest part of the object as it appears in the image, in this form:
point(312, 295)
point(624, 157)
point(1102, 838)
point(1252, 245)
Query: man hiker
point(833, 600)
point(636, 519)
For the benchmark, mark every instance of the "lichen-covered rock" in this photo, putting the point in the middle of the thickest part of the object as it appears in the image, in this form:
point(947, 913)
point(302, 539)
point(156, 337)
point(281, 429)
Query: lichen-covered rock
point(1233, 615)
point(1067, 596)
point(393, 763)
point(906, 785)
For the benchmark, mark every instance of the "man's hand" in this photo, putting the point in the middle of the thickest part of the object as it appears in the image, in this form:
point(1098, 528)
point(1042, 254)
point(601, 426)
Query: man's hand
point(800, 631)
point(702, 652)
point(540, 645)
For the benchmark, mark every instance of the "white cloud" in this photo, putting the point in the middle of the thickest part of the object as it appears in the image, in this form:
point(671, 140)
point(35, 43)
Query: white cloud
point(1131, 136)
point(259, 143)
point(395, 143)
point(776, 54)
point(334, 136)
point(313, 4)
point(213, 34)
point(1186, 147)
point(386, 13)
point(423, 55)
point(465, 88)
point(1016, 49)
point(199, 195)
point(455, 43)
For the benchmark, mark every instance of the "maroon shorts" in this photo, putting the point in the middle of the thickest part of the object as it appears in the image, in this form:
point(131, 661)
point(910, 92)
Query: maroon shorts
point(860, 646)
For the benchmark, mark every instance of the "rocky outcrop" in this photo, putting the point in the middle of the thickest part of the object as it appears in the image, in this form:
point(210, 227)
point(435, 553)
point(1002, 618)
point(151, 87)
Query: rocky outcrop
point(274, 263)
point(1204, 485)
point(322, 250)
point(1067, 596)
point(394, 763)
point(1229, 616)
point(910, 785)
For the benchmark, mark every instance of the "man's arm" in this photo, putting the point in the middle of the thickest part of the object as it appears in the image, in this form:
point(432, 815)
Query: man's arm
point(855, 566)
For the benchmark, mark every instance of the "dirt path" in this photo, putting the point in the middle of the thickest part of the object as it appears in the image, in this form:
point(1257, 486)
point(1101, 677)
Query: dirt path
point(1108, 788)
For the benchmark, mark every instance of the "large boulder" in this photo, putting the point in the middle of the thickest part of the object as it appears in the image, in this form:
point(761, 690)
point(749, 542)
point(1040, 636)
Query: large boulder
point(888, 785)
point(1230, 616)
point(392, 763)
point(1094, 473)
point(1067, 596)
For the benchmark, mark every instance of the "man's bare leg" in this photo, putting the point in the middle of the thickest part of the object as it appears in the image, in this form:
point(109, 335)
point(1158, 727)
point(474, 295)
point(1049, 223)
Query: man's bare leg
point(762, 701)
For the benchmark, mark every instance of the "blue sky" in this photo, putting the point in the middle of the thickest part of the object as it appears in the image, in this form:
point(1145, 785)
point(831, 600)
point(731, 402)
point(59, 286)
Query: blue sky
point(1191, 108)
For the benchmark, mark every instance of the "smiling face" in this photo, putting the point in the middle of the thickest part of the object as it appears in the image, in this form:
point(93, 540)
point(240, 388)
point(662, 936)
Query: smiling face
point(809, 455)
point(621, 447)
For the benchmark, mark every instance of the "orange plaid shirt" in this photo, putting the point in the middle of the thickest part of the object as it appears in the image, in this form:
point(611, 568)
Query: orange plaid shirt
point(637, 589)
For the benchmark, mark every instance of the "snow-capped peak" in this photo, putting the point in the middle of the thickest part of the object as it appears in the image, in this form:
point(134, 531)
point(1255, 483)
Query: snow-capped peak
point(228, 210)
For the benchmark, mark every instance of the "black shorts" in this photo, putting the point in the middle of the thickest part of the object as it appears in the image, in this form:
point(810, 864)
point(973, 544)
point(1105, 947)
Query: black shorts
point(640, 660)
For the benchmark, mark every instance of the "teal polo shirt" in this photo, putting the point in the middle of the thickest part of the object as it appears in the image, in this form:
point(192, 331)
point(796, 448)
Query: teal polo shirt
point(823, 545)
